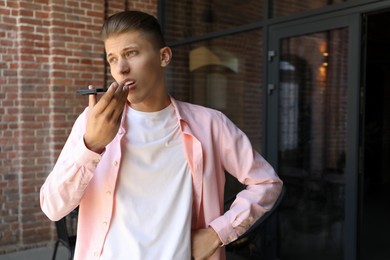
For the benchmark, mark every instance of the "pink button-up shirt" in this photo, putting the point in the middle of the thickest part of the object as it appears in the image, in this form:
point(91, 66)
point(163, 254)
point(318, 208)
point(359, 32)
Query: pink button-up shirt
point(213, 145)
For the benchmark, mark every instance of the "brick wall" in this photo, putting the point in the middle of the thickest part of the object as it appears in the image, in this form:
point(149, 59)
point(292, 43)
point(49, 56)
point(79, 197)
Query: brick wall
point(48, 50)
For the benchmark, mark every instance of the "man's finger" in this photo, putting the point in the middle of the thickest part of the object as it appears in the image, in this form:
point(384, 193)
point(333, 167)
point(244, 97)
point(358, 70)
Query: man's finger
point(106, 99)
point(121, 102)
point(92, 99)
point(115, 108)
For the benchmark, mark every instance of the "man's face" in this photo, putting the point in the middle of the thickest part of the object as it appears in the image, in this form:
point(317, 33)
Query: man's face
point(135, 62)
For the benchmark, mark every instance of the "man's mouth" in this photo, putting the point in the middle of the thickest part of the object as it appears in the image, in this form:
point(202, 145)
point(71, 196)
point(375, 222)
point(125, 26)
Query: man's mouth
point(130, 84)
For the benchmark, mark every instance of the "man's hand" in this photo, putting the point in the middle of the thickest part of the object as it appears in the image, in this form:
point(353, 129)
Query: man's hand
point(204, 243)
point(104, 117)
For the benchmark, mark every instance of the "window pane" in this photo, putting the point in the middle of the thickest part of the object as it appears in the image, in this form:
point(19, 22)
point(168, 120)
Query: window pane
point(312, 143)
point(287, 7)
point(185, 19)
point(219, 74)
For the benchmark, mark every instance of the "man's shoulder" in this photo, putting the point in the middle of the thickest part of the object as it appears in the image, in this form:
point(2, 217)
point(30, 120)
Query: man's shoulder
point(193, 109)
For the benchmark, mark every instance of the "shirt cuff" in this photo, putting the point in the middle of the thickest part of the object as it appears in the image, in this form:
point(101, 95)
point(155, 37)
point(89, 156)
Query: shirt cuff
point(224, 229)
point(85, 157)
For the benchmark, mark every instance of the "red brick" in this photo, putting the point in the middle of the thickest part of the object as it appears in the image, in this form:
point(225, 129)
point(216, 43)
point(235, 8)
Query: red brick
point(4, 11)
point(12, 4)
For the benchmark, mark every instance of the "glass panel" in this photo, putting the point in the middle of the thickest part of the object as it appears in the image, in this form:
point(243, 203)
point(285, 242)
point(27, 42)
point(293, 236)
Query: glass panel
point(287, 7)
point(219, 74)
point(312, 144)
point(184, 19)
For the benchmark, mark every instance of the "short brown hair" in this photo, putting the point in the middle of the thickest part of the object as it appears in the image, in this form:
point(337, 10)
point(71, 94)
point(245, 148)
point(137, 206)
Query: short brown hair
point(134, 21)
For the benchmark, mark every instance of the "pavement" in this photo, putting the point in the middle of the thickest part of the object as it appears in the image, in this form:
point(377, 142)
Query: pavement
point(46, 253)
point(42, 253)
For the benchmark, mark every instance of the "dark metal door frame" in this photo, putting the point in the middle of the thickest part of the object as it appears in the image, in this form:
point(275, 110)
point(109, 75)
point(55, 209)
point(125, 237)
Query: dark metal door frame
point(278, 32)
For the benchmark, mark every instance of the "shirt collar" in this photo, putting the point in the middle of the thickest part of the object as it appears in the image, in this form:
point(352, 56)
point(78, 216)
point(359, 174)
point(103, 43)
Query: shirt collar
point(179, 111)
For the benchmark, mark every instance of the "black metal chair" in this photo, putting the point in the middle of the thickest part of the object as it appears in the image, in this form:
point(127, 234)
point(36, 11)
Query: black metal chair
point(250, 244)
point(64, 236)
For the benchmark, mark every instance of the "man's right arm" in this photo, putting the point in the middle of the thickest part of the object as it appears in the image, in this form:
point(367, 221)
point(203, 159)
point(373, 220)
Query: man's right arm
point(93, 130)
point(65, 185)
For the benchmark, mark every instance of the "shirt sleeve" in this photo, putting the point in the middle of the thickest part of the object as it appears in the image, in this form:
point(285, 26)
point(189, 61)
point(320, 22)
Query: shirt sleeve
point(263, 186)
point(65, 185)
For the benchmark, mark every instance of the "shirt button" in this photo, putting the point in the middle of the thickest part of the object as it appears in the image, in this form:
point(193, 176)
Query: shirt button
point(115, 163)
point(96, 254)
point(105, 224)
point(108, 193)
point(95, 162)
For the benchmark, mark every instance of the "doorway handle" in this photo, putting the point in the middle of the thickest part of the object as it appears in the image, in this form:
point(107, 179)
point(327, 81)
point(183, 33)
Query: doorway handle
point(270, 88)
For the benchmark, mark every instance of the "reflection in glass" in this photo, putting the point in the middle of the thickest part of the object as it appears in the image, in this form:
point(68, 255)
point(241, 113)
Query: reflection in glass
point(288, 7)
point(312, 136)
point(185, 19)
point(225, 74)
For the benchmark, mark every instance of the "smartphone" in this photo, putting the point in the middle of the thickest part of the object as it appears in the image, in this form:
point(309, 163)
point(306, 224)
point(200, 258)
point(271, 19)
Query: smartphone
point(91, 91)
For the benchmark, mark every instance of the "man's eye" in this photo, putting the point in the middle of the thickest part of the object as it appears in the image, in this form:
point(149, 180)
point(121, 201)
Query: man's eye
point(131, 53)
point(112, 60)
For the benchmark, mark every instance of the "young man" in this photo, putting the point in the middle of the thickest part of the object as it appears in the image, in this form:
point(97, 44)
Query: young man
point(147, 171)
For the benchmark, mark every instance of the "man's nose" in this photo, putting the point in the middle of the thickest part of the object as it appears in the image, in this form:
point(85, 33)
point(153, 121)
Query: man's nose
point(124, 67)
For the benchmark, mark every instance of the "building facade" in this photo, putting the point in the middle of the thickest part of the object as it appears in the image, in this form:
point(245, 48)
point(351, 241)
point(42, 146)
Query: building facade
point(307, 81)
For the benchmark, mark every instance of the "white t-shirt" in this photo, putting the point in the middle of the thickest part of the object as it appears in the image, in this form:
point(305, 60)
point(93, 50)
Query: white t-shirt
point(153, 199)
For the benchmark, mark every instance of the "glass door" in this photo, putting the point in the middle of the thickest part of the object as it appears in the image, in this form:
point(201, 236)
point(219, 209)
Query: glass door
point(312, 129)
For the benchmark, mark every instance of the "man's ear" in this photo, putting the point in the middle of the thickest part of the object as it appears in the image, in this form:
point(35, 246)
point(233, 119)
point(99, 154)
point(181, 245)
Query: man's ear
point(165, 56)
